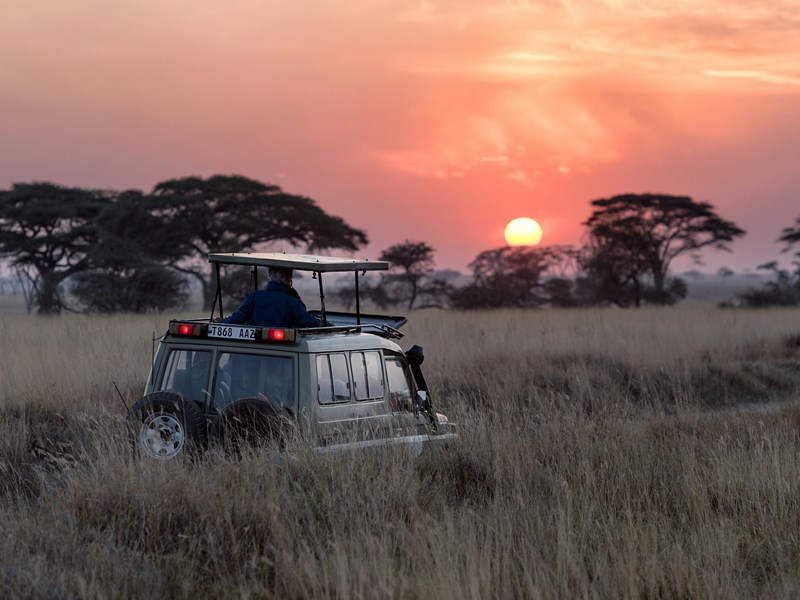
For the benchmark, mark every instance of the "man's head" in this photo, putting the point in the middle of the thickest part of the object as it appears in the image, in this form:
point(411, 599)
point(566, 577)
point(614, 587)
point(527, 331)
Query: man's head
point(280, 275)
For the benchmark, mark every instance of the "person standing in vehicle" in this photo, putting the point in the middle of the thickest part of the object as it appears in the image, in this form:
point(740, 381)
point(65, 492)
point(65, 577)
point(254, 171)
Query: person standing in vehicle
point(278, 305)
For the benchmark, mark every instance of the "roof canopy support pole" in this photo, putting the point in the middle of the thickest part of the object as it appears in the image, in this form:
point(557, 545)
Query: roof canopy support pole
point(358, 302)
point(255, 278)
point(218, 296)
point(321, 295)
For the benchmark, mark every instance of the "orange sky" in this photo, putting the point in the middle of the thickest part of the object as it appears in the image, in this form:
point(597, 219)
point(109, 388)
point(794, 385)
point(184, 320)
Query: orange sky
point(434, 121)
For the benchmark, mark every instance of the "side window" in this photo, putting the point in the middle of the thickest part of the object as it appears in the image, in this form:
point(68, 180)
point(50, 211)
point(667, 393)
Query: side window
point(333, 380)
point(324, 379)
point(187, 372)
point(249, 375)
point(367, 375)
point(374, 374)
point(399, 384)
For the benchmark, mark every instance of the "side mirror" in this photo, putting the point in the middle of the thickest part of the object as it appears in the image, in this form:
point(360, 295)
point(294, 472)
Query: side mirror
point(415, 356)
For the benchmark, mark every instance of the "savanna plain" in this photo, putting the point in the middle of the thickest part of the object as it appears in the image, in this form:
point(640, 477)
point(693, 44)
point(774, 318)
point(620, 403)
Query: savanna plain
point(645, 453)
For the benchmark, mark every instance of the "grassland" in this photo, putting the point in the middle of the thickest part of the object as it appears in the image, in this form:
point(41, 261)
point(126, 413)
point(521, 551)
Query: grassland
point(603, 454)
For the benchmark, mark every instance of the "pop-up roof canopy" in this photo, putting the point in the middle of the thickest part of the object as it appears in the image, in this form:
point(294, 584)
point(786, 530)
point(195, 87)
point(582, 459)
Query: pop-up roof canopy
point(301, 262)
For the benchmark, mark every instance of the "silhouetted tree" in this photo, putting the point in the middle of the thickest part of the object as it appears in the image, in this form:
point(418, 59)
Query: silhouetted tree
point(560, 292)
point(784, 289)
point(791, 236)
point(376, 293)
point(615, 268)
point(139, 289)
point(633, 239)
point(725, 273)
point(26, 279)
point(439, 286)
point(410, 263)
point(517, 276)
point(47, 231)
point(128, 271)
point(234, 214)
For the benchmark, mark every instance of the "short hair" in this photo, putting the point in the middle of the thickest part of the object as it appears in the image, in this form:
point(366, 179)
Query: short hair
point(280, 275)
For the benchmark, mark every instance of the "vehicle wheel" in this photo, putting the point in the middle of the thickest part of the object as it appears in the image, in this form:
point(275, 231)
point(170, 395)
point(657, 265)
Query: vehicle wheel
point(167, 425)
point(250, 422)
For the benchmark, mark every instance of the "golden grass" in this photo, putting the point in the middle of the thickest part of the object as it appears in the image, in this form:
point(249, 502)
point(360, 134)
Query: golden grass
point(594, 461)
point(74, 360)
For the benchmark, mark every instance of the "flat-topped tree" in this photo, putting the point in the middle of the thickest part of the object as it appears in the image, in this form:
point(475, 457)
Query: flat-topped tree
point(129, 262)
point(48, 231)
point(635, 237)
point(514, 276)
point(791, 236)
point(410, 263)
point(231, 213)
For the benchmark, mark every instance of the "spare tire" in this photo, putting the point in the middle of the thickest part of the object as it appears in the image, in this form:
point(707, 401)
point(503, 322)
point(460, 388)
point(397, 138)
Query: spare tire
point(250, 422)
point(166, 425)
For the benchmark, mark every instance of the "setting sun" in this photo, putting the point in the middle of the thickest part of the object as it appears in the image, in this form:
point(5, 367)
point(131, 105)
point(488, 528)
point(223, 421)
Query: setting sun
point(523, 232)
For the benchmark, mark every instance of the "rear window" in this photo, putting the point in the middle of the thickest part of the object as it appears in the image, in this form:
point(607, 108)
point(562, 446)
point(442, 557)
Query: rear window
point(188, 372)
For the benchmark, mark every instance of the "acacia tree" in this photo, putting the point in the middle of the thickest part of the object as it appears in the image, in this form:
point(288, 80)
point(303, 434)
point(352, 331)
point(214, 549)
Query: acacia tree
point(615, 267)
point(231, 213)
point(128, 271)
point(633, 239)
point(784, 289)
point(520, 276)
point(48, 230)
point(409, 264)
point(791, 236)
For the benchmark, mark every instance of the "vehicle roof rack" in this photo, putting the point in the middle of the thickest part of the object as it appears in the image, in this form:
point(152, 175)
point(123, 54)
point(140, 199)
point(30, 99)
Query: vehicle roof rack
point(316, 263)
point(298, 262)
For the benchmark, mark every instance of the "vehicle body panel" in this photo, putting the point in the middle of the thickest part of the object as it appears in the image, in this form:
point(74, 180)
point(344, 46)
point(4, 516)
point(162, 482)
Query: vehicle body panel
point(362, 407)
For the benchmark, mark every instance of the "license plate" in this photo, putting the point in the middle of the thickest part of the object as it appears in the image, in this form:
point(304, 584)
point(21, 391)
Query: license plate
point(232, 332)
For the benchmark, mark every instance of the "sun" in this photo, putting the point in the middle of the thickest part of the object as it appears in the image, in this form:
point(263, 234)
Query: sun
point(523, 232)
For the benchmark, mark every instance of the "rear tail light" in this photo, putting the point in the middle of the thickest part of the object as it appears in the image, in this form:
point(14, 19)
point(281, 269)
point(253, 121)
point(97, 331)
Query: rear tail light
point(186, 329)
point(278, 335)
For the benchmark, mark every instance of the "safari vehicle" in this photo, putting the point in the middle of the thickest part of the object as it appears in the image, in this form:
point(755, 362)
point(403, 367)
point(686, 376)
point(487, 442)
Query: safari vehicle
point(345, 385)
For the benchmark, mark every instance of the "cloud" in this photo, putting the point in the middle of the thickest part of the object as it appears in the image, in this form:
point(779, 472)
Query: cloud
point(580, 84)
point(437, 88)
point(755, 75)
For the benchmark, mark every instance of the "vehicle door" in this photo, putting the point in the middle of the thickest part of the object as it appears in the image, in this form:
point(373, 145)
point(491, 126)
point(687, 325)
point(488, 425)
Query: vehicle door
point(351, 397)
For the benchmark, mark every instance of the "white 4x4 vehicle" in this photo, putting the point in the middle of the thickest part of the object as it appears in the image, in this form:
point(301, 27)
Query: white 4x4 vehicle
point(346, 385)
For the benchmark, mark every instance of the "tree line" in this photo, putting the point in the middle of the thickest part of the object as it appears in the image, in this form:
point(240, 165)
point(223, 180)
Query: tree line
point(135, 251)
point(632, 241)
point(784, 289)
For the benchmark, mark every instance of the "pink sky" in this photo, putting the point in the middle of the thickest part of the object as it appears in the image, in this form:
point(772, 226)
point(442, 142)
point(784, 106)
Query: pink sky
point(433, 121)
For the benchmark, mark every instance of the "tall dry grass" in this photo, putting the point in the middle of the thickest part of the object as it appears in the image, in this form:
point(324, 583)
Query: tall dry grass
point(594, 461)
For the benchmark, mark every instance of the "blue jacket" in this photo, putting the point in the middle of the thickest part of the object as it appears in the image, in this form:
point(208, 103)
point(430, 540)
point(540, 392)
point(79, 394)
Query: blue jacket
point(275, 306)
